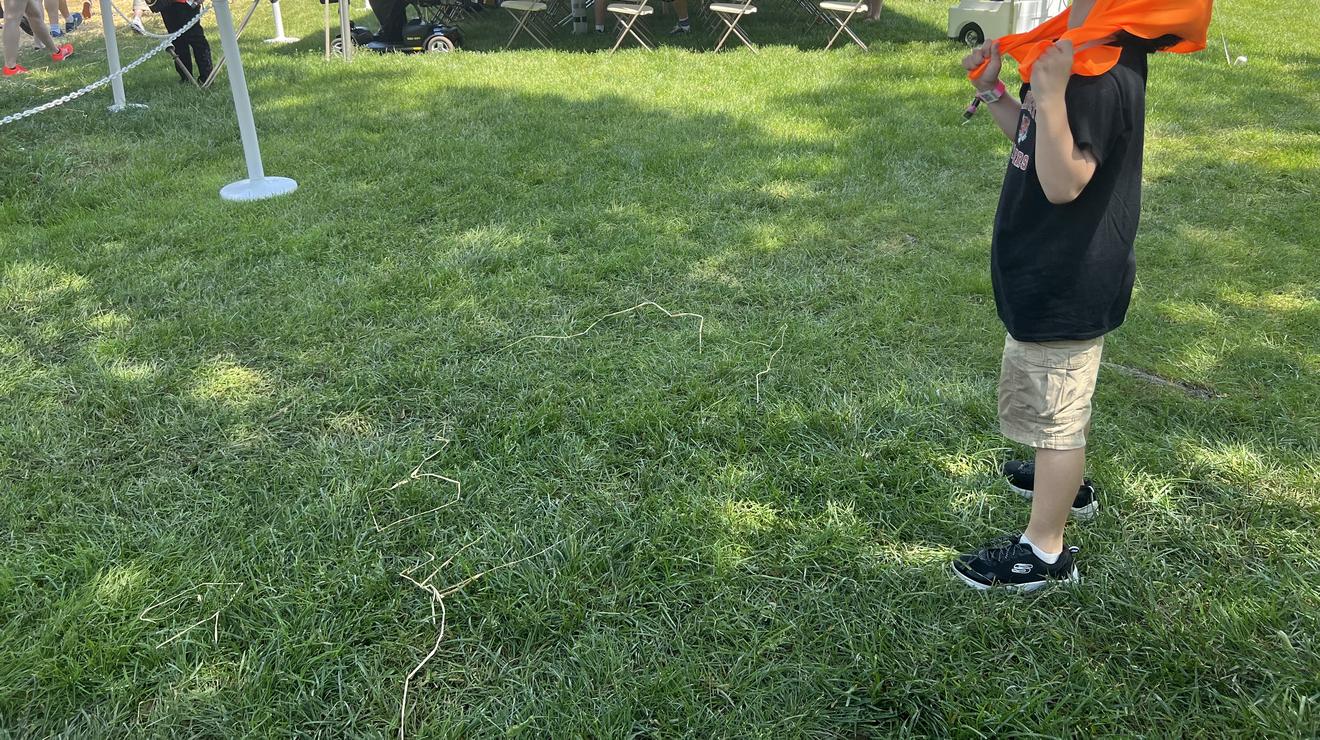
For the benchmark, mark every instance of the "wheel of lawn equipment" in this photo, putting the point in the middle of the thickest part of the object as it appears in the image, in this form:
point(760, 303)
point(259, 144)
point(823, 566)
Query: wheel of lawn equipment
point(438, 43)
point(337, 46)
point(972, 35)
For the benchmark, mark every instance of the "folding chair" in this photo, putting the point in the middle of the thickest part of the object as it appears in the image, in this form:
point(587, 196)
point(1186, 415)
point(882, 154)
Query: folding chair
point(736, 12)
point(840, 13)
point(522, 10)
point(557, 6)
point(627, 15)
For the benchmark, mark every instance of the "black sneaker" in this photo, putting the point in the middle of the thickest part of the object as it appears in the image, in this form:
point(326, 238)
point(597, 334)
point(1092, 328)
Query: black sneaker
point(1007, 563)
point(681, 28)
point(1022, 478)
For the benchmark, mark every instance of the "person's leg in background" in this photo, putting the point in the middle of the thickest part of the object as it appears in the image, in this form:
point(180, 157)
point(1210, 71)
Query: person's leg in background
point(71, 20)
point(684, 24)
point(53, 17)
point(391, 14)
point(15, 9)
point(201, 48)
point(39, 32)
point(175, 15)
point(139, 7)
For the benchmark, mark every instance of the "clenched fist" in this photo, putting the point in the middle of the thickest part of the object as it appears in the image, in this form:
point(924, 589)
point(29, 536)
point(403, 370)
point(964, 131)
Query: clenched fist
point(989, 77)
point(1050, 73)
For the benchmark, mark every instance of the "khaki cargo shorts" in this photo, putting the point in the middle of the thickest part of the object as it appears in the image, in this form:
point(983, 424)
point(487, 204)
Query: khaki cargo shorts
point(1045, 391)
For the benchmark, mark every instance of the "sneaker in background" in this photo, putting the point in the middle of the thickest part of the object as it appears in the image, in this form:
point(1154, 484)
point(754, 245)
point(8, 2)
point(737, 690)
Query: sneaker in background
point(1021, 477)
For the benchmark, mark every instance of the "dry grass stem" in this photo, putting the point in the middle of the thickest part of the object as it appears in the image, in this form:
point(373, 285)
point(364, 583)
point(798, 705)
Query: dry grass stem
point(416, 475)
point(194, 591)
point(770, 362)
point(701, 325)
point(438, 598)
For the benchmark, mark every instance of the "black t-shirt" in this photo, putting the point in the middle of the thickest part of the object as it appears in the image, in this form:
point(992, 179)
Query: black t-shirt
point(1065, 272)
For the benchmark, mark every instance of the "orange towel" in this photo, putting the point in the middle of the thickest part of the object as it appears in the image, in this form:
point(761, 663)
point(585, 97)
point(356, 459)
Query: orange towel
point(1188, 20)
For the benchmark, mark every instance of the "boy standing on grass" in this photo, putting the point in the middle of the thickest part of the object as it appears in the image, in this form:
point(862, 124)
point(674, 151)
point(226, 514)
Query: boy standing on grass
point(1062, 259)
point(192, 44)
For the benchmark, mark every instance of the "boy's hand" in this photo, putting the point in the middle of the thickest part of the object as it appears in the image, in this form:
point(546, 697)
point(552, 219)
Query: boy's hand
point(989, 77)
point(1050, 73)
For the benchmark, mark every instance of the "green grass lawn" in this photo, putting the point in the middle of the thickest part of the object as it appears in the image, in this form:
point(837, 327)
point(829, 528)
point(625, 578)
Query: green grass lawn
point(197, 392)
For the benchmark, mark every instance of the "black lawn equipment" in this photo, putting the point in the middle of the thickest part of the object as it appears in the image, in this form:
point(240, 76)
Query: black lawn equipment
point(431, 30)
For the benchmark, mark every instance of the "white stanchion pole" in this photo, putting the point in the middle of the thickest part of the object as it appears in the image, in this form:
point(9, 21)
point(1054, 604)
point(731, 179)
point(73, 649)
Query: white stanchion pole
point(257, 185)
point(280, 38)
point(345, 32)
point(112, 56)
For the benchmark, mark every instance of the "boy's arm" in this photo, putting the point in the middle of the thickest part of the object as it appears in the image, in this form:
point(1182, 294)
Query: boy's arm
point(1064, 168)
point(1008, 109)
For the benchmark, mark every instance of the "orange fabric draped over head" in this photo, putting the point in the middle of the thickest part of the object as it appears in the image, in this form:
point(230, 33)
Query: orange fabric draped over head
point(1188, 20)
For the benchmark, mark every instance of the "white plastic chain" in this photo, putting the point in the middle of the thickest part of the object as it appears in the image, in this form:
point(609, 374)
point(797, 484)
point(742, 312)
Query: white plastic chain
point(104, 80)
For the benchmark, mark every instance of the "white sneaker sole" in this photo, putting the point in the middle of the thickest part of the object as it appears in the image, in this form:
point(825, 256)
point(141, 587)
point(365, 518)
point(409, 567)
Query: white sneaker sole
point(1073, 578)
point(1083, 514)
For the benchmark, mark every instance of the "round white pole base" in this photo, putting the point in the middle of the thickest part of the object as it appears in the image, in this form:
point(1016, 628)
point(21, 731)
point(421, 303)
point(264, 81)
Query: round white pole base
point(259, 189)
point(126, 106)
point(282, 40)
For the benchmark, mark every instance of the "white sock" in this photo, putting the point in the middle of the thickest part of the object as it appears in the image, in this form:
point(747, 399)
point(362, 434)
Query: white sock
point(600, 27)
point(1045, 557)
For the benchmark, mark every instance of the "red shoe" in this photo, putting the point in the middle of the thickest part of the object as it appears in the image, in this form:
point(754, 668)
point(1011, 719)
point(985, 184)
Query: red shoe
point(87, 10)
point(15, 70)
point(65, 52)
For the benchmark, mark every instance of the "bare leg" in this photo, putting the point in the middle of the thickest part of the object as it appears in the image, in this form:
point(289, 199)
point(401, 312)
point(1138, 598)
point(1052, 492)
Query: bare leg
point(53, 12)
point(39, 29)
point(14, 9)
point(680, 7)
point(1058, 476)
